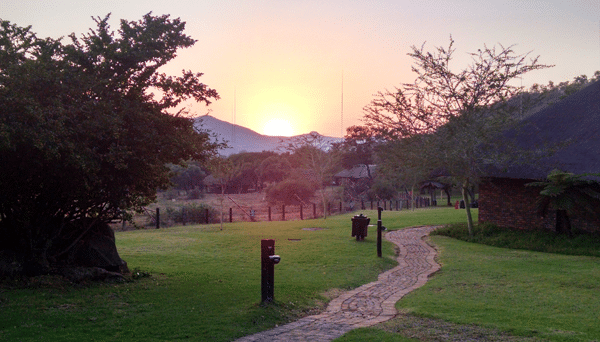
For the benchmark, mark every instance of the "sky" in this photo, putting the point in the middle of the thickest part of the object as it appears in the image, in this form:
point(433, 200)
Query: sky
point(292, 67)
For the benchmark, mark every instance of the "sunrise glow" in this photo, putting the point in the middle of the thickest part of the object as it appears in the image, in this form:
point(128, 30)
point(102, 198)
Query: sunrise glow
point(278, 127)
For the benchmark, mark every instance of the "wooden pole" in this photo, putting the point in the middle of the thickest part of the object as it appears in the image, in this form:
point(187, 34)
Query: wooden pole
point(157, 218)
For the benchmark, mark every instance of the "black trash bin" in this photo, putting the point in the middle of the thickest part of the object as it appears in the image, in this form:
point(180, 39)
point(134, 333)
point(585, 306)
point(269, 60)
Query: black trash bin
point(360, 225)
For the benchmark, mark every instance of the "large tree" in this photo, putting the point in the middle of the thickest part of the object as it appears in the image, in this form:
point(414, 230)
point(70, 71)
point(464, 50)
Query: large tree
point(87, 128)
point(316, 159)
point(458, 115)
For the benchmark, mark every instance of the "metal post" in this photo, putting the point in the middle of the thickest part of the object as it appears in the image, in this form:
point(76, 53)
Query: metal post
point(340, 207)
point(268, 259)
point(379, 228)
point(283, 212)
point(301, 213)
point(230, 215)
point(269, 213)
point(314, 210)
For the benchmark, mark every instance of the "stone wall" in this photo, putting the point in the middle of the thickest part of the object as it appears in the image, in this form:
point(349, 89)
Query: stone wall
point(509, 203)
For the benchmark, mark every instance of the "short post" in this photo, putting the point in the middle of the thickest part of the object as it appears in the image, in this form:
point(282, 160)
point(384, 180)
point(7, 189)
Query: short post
point(371, 205)
point(230, 215)
point(340, 207)
point(283, 212)
point(207, 220)
point(362, 204)
point(301, 213)
point(183, 216)
point(379, 228)
point(157, 218)
point(269, 213)
point(314, 210)
point(268, 261)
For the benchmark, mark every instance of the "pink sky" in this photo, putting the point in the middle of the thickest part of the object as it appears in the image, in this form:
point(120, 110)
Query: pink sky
point(285, 59)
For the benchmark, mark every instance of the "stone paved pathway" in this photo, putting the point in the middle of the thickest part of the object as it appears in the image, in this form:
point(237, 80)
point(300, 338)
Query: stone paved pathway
point(369, 304)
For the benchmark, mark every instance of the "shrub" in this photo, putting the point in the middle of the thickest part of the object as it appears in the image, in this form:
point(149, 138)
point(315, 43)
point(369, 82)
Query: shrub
point(290, 192)
point(195, 194)
point(194, 213)
point(547, 241)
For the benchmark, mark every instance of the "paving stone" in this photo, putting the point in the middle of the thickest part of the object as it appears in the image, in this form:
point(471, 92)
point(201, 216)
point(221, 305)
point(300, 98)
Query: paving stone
point(369, 304)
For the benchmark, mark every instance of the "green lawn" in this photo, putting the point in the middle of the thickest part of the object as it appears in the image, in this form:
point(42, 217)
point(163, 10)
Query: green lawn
point(550, 296)
point(205, 283)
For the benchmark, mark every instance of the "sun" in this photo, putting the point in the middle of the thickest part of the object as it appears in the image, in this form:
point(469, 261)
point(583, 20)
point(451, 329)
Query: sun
point(278, 127)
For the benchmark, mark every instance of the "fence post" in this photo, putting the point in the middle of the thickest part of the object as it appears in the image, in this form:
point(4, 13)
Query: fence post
point(207, 221)
point(371, 205)
point(183, 216)
point(301, 213)
point(283, 212)
point(157, 218)
point(340, 207)
point(329, 208)
point(384, 205)
point(314, 210)
point(362, 204)
point(230, 215)
point(269, 213)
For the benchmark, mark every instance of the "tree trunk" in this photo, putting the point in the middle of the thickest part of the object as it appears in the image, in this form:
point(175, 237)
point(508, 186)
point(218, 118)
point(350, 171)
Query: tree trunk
point(323, 198)
point(563, 223)
point(465, 196)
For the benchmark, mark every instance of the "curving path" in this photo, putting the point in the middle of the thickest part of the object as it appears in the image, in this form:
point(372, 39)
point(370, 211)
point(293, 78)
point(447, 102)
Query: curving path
point(369, 304)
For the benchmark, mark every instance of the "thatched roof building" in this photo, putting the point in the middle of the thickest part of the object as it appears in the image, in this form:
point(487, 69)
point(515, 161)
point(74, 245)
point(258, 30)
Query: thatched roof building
point(572, 127)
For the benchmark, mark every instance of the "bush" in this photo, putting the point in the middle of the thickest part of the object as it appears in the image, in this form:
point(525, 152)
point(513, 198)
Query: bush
point(290, 192)
point(534, 240)
point(195, 194)
point(192, 213)
point(382, 190)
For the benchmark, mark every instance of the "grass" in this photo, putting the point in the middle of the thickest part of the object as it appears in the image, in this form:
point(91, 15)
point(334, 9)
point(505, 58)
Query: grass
point(551, 296)
point(204, 283)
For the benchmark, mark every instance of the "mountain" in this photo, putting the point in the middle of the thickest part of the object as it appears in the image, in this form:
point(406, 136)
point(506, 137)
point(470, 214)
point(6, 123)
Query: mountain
point(242, 139)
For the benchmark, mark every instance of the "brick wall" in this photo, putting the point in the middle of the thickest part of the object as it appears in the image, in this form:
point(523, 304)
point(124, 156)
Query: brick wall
point(509, 203)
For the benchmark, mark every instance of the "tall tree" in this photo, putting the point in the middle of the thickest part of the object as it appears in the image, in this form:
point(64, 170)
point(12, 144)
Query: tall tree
point(83, 134)
point(460, 114)
point(359, 147)
point(315, 155)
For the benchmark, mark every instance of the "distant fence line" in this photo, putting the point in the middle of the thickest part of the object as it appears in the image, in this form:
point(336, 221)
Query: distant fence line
point(185, 216)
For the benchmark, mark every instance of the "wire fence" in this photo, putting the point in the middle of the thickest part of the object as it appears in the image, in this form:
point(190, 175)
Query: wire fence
point(204, 214)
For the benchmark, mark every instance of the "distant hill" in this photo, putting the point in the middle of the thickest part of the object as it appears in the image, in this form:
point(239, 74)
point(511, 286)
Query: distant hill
point(242, 139)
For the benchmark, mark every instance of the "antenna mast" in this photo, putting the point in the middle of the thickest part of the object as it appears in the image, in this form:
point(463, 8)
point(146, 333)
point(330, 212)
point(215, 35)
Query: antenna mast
point(233, 126)
point(342, 112)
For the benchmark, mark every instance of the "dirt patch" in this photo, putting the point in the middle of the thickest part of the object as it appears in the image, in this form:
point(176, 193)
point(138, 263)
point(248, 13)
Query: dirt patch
point(428, 329)
point(313, 228)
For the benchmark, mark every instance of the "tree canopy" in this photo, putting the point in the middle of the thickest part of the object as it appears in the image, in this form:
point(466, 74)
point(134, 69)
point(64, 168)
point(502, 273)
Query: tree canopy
point(87, 128)
point(453, 120)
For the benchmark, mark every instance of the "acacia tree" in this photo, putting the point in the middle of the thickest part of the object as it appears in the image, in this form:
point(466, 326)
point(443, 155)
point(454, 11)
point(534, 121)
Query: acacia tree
point(316, 156)
point(459, 114)
point(83, 135)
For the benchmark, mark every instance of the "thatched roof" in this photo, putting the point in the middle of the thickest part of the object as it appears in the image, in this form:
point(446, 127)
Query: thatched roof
point(573, 126)
point(356, 172)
